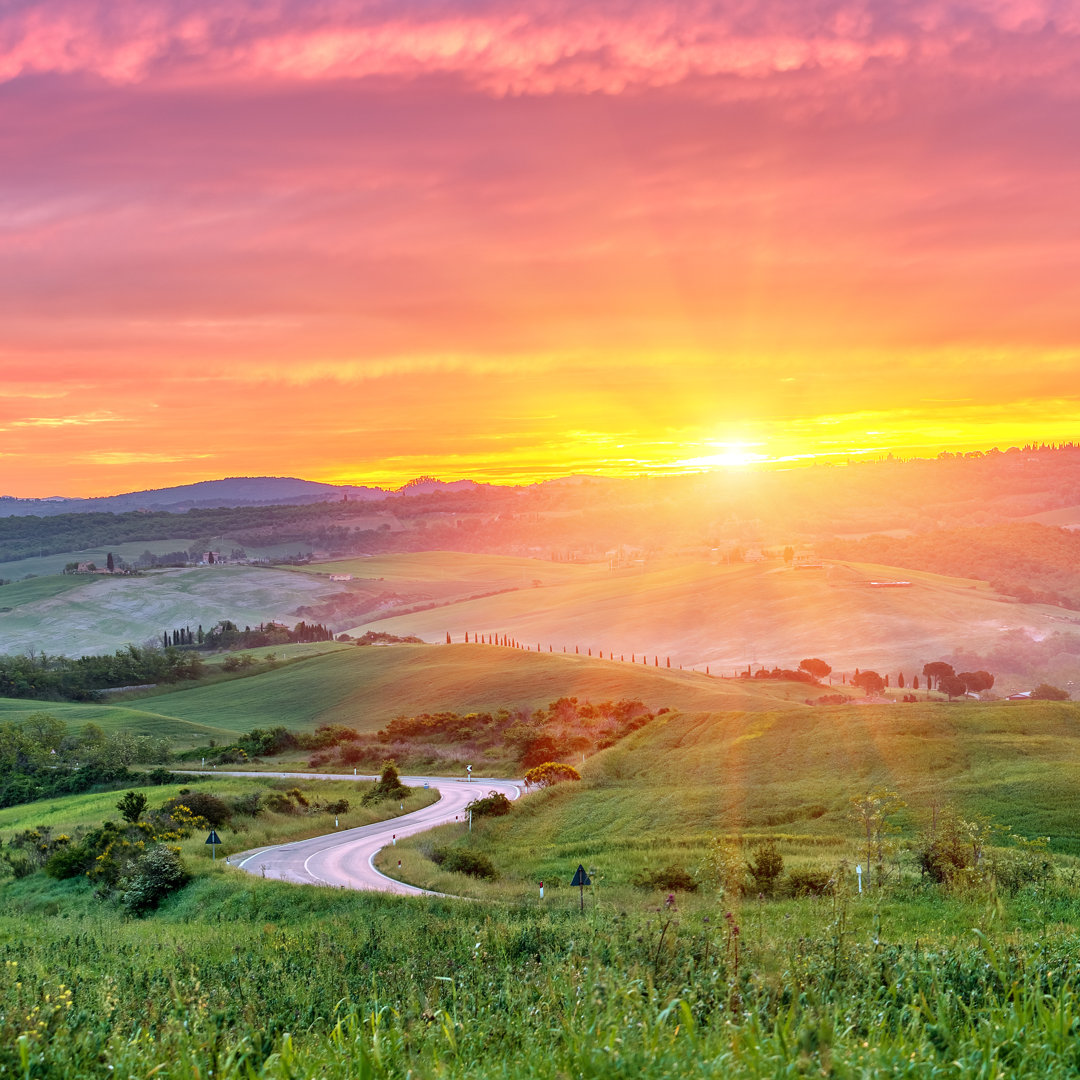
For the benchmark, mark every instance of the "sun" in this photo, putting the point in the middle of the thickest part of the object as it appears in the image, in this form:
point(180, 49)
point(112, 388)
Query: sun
point(728, 456)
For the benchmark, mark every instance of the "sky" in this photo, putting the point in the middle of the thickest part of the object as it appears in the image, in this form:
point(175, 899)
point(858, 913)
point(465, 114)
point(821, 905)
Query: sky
point(365, 241)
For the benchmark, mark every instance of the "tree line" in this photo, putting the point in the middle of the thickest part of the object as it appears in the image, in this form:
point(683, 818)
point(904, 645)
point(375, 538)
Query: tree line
point(62, 678)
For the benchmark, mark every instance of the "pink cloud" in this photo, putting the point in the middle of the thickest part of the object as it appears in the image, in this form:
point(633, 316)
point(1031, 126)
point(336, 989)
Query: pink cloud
point(539, 47)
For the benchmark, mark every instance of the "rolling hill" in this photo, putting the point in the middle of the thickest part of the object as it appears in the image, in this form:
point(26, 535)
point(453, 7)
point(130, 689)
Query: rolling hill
point(730, 616)
point(365, 687)
point(660, 796)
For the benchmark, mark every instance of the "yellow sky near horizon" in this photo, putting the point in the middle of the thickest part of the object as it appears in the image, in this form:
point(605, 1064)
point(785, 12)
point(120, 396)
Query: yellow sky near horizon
point(512, 243)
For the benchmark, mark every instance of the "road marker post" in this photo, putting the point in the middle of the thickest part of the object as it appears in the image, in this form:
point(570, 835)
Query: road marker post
point(541, 890)
point(858, 870)
point(581, 879)
point(213, 841)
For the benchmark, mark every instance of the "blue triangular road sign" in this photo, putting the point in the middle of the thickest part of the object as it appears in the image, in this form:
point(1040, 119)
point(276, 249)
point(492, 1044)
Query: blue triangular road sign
point(213, 838)
point(581, 878)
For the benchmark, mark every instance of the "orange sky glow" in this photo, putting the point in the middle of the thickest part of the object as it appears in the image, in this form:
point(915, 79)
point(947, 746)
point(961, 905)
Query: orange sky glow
point(360, 242)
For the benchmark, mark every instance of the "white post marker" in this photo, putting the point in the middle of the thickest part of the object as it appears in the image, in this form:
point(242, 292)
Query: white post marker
point(470, 821)
point(395, 839)
point(541, 890)
point(858, 870)
point(335, 823)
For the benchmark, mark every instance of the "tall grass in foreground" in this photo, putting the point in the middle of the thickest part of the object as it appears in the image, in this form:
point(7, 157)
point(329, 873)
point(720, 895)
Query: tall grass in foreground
point(239, 978)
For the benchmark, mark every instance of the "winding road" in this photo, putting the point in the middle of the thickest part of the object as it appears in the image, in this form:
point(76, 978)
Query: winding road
point(346, 859)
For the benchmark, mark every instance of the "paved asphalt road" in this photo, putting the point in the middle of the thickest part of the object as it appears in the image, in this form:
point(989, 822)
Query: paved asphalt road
point(345, 859)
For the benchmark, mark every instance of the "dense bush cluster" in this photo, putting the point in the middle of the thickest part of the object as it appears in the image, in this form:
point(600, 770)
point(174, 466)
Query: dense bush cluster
point(464, 861)
point(40, 758)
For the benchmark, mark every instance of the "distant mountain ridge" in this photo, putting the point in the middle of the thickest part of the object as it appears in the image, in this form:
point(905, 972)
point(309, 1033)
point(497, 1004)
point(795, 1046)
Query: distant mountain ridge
point(230, 491)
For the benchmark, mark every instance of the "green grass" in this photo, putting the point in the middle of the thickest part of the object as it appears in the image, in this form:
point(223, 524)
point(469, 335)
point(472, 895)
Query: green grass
point(115, 718)
point(660, 795)
point(18, 593)
point(238, 977)
point(365, 687)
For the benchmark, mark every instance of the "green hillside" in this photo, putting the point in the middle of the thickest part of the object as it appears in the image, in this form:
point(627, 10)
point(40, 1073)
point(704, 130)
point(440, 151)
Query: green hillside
point(115, 718)
point(661, 795)
point(365, 687)
point(729, 616)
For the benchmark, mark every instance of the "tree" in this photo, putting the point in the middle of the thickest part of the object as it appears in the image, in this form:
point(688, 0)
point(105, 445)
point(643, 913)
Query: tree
point(870, 681)
point(1046, 692)
point(952, 685)
point(935, 671)
point(815, 667)
point(44, 731)
point(789, 554)
point(110, 562)
point(872, 811)
point(976, 681)
point(131, 806)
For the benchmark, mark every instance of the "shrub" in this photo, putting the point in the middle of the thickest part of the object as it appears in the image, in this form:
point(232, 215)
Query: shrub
point(249, 805)
point(809, 883)
point(339, 807)
point(495, 804)
point(202, 804)
point(131, 806)
point(551, 772)
point(353, 754)
point(463, 861)
point(160, 776)
point(69, 861)
point(20, 863)
point(157, 873)
point(671, 879)
point(766, 866)
point(388, 786)
point(724, 867)
point(287, 802)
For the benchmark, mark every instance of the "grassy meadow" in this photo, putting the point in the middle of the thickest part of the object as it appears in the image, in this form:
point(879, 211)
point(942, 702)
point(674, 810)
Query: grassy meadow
point(235, 976)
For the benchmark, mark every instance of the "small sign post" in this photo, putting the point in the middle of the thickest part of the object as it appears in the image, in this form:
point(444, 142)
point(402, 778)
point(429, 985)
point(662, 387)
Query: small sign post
point(541, 890)
point(213, 840)
point(581, 879)
point(468, 769)
point(858, 870)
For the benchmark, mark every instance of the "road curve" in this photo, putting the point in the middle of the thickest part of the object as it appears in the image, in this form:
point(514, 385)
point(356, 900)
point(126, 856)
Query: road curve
point(346, 859)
